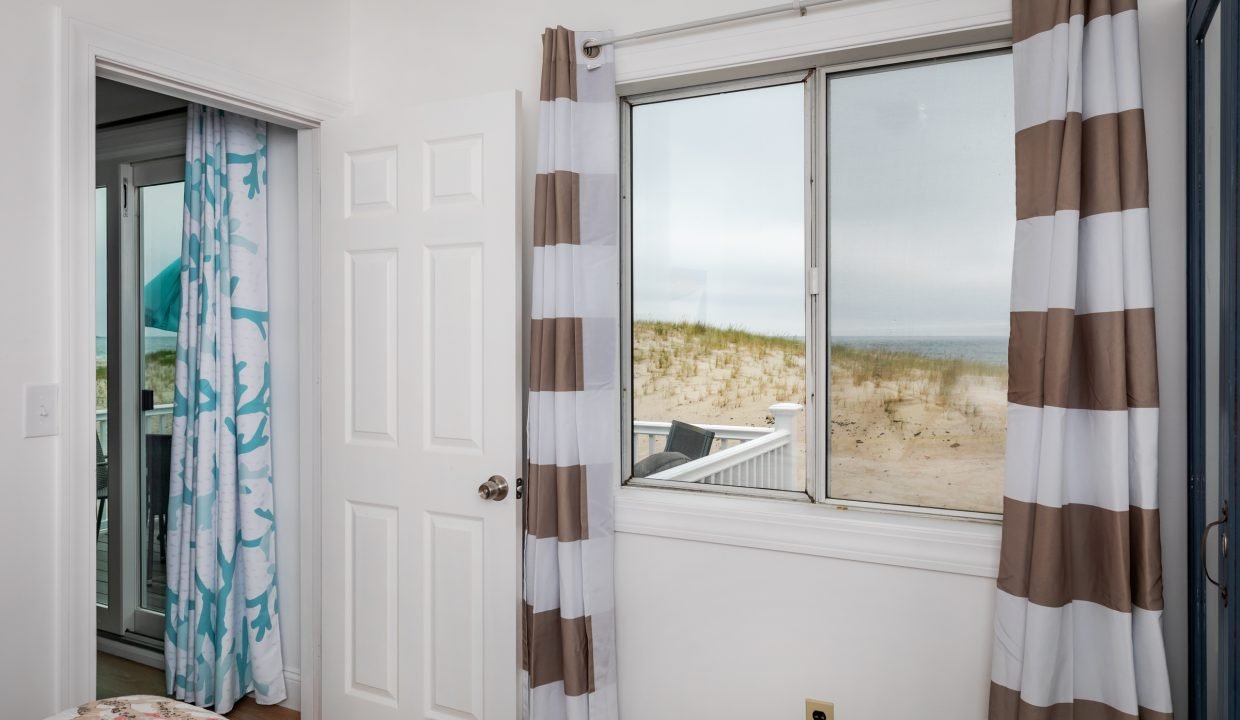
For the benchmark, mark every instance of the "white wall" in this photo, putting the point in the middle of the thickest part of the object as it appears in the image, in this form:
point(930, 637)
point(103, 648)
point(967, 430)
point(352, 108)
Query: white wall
point(1163, 81)
point(291, 42)
point(883, 642)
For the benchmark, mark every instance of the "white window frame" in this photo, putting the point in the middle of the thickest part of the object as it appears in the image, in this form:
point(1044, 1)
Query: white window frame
point(817, 273)
point(805, 77)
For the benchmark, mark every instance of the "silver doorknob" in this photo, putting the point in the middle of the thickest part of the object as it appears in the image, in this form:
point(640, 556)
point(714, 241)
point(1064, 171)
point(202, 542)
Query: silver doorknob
point(495, 488)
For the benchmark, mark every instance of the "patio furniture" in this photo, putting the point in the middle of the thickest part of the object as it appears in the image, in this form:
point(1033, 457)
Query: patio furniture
point(158, 471)
point(752, 457)
point(690, 440)
point(685, 442)
point(101, 485)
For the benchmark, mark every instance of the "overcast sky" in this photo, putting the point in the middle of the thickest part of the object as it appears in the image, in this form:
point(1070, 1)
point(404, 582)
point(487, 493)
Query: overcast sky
point(921, 207)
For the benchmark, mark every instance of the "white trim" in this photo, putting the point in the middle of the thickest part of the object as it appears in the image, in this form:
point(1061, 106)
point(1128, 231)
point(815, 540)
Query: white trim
point(129, 60)
point(308, 187)
point(82, 53)
point(131, 652)
point(292, 685)
point(803, 40)
point(899, 539)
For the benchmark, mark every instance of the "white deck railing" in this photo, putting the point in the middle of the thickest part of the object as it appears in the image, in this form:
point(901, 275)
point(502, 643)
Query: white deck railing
point(158, 421)
point(740, 456)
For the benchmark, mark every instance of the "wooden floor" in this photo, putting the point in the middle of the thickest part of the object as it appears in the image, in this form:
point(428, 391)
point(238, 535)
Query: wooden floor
point(117, 676)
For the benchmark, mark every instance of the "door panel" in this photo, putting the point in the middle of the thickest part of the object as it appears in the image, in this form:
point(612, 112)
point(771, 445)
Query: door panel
point(421, 390)
point(142, 295)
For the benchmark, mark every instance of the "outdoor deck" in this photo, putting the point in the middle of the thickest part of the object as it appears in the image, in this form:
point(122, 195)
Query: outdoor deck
point(158, 421)
point(752, 457)
point(155, 584)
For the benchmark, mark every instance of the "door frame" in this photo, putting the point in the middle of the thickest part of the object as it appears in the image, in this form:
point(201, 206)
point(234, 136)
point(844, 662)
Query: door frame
point(87, 51)
point(1201, 13)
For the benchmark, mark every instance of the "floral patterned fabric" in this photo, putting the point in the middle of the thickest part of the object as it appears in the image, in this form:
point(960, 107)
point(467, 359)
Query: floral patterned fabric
point(134, 707)
point(222, 631)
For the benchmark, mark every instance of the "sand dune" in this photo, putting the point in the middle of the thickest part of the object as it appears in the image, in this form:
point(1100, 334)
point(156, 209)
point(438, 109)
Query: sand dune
point(904, 428)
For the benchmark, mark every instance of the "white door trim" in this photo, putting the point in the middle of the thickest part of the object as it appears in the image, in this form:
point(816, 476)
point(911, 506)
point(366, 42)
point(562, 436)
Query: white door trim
point(87, 51)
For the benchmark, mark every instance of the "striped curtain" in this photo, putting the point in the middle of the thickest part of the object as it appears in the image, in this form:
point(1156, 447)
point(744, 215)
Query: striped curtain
point(1078, 626)
point(222, 621)
point(569, 649)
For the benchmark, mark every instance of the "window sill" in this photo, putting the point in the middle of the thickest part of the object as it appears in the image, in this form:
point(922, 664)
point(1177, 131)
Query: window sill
point(897, 538)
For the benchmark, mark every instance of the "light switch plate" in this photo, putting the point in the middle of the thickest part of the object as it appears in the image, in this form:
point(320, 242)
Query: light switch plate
point(826, 709)
point(42, 410)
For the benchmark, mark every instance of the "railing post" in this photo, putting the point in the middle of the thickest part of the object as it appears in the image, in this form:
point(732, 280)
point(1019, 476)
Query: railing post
point(785, 415)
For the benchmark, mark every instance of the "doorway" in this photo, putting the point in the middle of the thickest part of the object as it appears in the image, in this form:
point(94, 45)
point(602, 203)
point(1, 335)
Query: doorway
point(139, 198)
point(91, 52)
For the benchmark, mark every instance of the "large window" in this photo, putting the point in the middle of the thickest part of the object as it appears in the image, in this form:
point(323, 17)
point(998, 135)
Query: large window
point(817, 284)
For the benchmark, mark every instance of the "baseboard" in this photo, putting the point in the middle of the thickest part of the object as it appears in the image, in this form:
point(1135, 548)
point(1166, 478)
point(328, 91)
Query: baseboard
point(292, 686)
point(128, 651)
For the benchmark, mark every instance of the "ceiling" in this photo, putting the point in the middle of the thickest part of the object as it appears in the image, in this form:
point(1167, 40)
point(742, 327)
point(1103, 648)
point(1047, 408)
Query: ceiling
point(117, 102)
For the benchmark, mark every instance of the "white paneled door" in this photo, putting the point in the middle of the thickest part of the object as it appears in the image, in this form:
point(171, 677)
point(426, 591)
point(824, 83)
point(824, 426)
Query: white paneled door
point(421, 388)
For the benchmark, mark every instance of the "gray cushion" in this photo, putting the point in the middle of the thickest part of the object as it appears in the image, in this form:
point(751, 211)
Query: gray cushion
point(657, 463)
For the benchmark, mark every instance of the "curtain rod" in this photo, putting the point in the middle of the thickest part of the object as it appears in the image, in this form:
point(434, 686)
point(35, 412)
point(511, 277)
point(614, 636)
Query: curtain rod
point(591, 45)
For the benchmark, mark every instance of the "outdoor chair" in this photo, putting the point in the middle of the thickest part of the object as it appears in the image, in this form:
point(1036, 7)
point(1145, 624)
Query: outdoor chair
point(101, 485)
point(685, 442)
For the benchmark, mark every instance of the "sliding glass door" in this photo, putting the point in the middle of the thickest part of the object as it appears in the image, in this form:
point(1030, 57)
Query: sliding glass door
point(138, 359)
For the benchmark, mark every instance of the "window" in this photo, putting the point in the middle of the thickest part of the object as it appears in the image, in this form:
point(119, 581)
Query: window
point(843, 340)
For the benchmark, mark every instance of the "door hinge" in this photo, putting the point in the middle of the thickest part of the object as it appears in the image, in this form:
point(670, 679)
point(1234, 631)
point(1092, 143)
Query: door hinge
point(813, 281)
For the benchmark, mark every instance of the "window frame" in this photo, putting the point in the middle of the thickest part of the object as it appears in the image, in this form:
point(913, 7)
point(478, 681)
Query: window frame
point(807, 79)
point(816, 79)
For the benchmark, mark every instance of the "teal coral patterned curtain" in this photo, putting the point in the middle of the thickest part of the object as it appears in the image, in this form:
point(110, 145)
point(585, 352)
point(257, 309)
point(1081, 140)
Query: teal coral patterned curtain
point(222, 635)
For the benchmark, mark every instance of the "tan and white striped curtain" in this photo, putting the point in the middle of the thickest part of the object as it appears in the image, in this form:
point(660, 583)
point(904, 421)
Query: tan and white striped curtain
point(569, 651)
point(1078, 619)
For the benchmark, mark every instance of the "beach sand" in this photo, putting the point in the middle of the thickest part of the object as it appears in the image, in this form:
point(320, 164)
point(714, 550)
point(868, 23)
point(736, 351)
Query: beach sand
point(904, 429)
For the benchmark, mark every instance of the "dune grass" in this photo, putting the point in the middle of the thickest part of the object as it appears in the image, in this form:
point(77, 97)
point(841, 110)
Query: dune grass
point(667, 356)
point(879, 365)
point(160, 376)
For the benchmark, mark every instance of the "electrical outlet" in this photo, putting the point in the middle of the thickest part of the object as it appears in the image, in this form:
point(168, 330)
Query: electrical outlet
point(819, 710)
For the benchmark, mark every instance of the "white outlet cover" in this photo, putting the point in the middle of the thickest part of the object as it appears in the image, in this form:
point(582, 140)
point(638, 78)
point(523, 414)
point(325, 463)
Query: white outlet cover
point(42, 410)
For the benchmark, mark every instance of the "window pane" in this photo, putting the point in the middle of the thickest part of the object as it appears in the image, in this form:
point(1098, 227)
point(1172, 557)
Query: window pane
point(921, 208)
point(160, 214)
point(718, 263)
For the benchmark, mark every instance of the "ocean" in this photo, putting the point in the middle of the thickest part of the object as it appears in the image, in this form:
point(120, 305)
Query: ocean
point(987, 349)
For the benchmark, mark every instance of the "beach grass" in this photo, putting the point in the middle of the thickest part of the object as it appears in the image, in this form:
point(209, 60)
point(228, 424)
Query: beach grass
point(904, 426)
point(160, 376)
point(878, 366)
point(725, 367)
